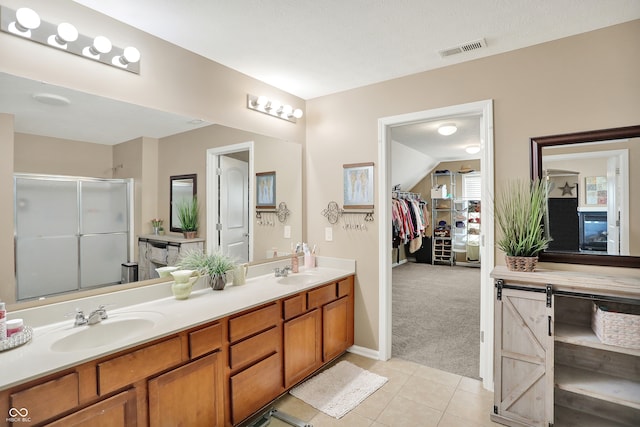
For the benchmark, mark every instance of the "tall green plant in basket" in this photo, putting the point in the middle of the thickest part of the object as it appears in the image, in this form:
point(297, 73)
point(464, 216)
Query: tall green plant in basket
point(188, 214)
point(520, 211)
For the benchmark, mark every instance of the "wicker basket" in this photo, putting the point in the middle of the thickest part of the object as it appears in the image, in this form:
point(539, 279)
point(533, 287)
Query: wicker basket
point(617, 324)
point(521, 263)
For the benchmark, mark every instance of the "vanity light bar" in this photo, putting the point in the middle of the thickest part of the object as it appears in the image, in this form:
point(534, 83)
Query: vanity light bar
point(25, 23)
point(273, 108)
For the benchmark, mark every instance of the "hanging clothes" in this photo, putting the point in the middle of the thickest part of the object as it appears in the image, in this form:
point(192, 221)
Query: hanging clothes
point(410, 219)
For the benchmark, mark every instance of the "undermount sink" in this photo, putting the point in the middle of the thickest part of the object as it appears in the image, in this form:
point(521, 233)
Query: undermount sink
point(298, 279)
point(109, 331)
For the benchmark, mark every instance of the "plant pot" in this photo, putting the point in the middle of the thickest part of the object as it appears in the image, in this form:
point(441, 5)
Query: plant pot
point(521, 263)
point(218, 282)
point(189, 234)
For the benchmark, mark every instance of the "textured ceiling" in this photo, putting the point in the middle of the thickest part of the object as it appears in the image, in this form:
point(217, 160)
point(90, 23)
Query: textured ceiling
point(312, 48)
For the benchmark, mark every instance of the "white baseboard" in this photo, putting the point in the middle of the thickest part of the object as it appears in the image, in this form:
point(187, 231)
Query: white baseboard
point(365, 352)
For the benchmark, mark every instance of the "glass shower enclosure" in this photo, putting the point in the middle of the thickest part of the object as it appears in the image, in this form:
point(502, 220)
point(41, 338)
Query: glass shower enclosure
point(71, 233)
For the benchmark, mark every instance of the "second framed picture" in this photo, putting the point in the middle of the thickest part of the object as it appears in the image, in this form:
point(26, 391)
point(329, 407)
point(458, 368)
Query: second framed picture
point(358, 186)
point(266, 190)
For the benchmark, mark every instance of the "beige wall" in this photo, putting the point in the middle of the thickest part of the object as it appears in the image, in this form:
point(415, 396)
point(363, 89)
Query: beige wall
point(55, 156)
point(589, 81)
point(186, 154)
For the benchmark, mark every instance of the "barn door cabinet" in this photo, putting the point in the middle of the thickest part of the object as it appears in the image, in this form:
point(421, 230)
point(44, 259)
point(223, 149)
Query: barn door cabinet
point(550, 368)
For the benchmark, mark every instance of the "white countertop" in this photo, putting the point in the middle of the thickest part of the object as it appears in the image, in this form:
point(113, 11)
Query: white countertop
point(52, 322)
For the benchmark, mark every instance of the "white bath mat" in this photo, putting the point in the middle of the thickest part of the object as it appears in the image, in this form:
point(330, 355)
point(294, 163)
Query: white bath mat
point(338, 389)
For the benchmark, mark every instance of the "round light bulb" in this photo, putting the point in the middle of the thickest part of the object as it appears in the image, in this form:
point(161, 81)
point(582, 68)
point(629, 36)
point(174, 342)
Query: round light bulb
point(67, 32)
point(131, 54)
point(27, 18)
point(297, 113)
point(102, 44)
point(287, 110)
point(262, 101)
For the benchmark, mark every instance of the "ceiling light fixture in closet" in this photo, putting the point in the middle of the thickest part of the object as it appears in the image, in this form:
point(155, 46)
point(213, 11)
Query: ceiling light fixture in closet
point(472, 149)
point(447, 129)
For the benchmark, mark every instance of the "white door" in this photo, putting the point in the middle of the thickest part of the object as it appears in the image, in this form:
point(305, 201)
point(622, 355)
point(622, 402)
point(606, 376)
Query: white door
point(234, 208)
point(613, 208)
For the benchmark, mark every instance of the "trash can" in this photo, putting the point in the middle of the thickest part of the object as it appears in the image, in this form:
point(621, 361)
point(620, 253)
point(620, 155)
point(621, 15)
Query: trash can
point(129, 272)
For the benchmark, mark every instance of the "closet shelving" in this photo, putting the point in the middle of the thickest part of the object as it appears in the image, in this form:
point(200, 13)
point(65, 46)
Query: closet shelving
point(442, 218)
point(473, 232)
point(466, 231)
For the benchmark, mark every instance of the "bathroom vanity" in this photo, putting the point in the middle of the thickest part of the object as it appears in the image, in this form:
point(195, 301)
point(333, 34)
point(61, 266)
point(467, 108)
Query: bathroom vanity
point(551, 369)
point(214, 359)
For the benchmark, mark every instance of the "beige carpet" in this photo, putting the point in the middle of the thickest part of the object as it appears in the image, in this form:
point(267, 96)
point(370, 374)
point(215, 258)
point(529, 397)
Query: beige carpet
point(436, 317)
point(339, 389)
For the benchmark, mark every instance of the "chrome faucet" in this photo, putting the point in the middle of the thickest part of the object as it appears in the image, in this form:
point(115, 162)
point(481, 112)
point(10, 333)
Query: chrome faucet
point(96, 316)
point(282, 272)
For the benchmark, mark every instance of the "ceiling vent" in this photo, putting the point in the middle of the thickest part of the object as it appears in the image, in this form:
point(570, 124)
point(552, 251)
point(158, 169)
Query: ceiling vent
point(466, 47)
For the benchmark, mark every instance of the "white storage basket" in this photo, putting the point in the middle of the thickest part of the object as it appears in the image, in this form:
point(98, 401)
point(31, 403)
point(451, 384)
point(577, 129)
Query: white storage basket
point(617, 324)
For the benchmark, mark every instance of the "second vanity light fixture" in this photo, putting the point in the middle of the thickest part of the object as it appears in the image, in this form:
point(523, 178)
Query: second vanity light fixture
point(26, 23)
point(273, 108)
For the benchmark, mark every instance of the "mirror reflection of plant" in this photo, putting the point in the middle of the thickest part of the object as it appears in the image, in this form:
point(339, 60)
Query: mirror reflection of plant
point(188, 213)
point(520, 212)
point(214, 264)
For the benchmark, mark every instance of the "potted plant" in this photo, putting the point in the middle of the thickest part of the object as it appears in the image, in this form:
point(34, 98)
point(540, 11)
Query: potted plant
point(188, 216)
point(215, 265)
point(520, 213)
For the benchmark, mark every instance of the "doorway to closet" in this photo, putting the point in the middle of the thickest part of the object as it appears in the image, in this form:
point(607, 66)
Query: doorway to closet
point(411, 162)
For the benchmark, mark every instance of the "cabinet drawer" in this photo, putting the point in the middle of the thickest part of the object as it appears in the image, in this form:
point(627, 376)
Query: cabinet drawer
point(345, 287)
point(129, 368)
point(256, 386)
point(205, 340)
point(295, 306)
point(255, 321)
point(48, 399)
point(321, 296)
point(254, 348)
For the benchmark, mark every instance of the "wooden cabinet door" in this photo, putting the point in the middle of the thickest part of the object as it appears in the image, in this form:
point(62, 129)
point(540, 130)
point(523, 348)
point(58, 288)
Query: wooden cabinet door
point(337, 328)
point(188, 396)
point(302, 347)
point(255, 387)
point(116, 411)
point(523, 358)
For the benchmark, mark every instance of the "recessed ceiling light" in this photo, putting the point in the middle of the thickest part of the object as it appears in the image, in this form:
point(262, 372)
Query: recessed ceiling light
point(472, 149)
point(447, 129)
point(51, 99)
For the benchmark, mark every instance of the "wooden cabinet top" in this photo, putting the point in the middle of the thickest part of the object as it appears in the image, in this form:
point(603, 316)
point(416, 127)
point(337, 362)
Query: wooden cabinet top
point(572, 281)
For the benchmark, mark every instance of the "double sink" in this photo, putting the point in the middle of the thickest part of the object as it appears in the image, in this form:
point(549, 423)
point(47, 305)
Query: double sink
point(125, 326)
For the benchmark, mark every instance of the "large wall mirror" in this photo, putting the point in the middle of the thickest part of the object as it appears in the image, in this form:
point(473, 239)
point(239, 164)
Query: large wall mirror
point(65, 132)
point(592, 179)
point(181, 188)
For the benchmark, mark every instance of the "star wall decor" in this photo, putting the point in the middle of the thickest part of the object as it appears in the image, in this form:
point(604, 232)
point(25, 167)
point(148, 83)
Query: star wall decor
point(567, 189)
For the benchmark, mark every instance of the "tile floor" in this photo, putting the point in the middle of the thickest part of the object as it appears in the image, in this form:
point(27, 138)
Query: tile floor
point(415, 395)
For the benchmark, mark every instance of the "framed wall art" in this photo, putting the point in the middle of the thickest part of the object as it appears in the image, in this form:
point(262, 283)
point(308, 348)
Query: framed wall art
point(596, 190)
point(266, 190)
point(358, 186)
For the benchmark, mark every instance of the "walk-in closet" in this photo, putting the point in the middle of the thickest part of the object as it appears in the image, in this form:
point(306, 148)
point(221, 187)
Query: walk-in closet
point(436, 231)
